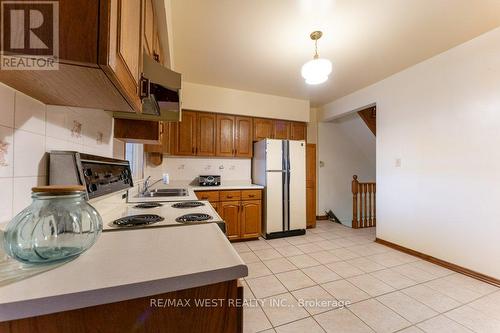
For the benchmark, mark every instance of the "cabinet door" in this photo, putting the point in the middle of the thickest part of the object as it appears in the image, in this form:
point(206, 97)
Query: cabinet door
point(125, 56)
point(206, 134)
point(225, 135)
point(158, 148)
point(149, 26)
point(244, 139)
point(185, 135)
point(298, 131)
point(230, 213)
point(311, 185)
point(281, 129)
point(262, 129)
point(251, 218)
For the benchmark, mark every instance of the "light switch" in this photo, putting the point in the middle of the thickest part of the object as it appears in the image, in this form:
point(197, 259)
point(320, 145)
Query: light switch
point(398, 163)
point(321, 164)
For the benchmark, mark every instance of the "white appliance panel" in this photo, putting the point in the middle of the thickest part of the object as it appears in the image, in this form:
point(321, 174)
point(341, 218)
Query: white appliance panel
point(274, 199)
point(297, 176)
point(274, 155)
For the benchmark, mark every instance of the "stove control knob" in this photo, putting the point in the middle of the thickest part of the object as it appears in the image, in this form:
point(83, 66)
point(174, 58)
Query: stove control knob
point(88, 172)
point(92, 188)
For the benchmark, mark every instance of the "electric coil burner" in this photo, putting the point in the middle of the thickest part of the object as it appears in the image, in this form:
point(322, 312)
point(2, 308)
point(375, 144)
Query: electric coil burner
point(195, 217)
point(137, 220)
point(148, 205)
point(188, 204)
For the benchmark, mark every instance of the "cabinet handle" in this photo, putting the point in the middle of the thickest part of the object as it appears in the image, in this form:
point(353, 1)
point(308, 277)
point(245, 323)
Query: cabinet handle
point(251, 195)
point(229, 196)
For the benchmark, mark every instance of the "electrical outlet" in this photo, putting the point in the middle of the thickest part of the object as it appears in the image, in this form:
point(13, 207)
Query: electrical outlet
point(321, 164)
point(398, 163)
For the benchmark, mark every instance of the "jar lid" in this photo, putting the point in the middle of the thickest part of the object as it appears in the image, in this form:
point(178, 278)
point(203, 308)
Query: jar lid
point(58, 189)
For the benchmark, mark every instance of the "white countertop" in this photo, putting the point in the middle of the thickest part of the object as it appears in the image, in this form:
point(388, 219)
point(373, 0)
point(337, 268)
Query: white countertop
point(228, 185)
point(125, 265)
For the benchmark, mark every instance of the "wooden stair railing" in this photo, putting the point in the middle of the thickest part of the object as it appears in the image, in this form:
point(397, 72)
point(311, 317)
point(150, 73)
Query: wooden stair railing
point(363, 204)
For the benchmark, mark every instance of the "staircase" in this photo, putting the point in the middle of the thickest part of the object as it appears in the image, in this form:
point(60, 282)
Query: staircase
point(363, 204)
point(369, 116)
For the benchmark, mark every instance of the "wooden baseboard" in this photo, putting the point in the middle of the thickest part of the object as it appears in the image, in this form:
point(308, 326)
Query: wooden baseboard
point(321, 217)
point(445, 264)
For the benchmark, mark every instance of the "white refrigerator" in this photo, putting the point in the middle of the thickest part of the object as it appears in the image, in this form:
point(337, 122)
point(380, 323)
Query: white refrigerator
point(280, 166)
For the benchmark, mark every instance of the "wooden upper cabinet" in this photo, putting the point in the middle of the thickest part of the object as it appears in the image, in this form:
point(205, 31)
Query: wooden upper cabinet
point(184, 134)
point(263, 129)
point(206, 134)
point(149, 27)
point(298, 131)
point(243, 137)
point(281, 129)
point(164, 147)
point(225, 135)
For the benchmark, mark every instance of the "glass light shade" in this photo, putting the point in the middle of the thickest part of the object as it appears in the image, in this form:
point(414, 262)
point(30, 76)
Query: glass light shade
point(316, 71)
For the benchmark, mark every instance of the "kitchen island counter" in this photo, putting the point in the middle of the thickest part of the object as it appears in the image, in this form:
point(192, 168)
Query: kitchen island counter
point(126, 265)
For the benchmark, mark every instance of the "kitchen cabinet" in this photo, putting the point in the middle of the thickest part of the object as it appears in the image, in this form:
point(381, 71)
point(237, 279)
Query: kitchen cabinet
point(263, 129)
point(149, 27)
point(100, 58)
point(243, 137)
point(230, 213)
point(206, 134)
point(225, 135)
point(311, 185)
point(184, 135)
point(163, 147)
point(298, 131)
point(251, 219)
point(137, 131)
point(241, 210)
point(281, 130)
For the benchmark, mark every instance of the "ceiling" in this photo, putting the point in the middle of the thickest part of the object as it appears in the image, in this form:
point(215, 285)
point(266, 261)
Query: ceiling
point(260, 45)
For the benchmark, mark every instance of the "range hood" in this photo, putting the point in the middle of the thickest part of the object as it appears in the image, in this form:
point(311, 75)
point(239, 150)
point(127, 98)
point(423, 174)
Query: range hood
point(160, 91)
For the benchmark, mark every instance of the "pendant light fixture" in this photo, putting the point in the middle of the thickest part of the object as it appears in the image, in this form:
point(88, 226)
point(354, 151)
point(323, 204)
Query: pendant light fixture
point(316, 71)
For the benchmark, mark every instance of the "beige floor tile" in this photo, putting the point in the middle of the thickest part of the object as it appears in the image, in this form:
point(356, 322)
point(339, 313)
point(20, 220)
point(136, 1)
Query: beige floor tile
point(344, 269)
point(451, 289)
point(267, 254)
point(325, 257)
point(386, 259)
point(266, 286)
point(328, 245)
point(344, 254)
point(241, 247)
point(414, 273)
point(366, 265)
point(289, 251)
point(379, 317)
point(474, 320)
point(432, 298)
point(489, 305)
point(435, 270)
point(341, 321)
point(303, 261)
point(470, 283)
point(394, 279)
point(309, 248)
point(279, 265)
point(442, 324)
point(254, 320)
point(308, 325)
point(294, 280)
point(257, 269)
point(369, 284)
point(247, 293)
point(412, 329)
point(249, 257)
point(271, 330)
point(278, 242)
point(343, 290)
point(409, 308)
point(282, 309)
point(315, 299)
point(297, 240)
point(314, 238)
point(321, 274)
point(345, 242)
point(259, 244)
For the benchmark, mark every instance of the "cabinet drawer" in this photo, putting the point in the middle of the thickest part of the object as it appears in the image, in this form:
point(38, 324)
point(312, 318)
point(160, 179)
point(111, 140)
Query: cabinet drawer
point(251, 195)
point(230, 195)
point(208, 195)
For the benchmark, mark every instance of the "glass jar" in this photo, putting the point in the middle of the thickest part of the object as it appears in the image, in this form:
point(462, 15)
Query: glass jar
point(59, 224)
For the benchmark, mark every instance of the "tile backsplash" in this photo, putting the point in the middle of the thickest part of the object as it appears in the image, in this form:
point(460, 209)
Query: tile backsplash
point(28, 129)
point(187, 169)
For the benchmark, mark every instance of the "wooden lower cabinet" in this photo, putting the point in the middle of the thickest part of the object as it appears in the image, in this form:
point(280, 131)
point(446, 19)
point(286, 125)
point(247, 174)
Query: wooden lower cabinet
point(147, 314)
point(241, 210)
point(230, 213)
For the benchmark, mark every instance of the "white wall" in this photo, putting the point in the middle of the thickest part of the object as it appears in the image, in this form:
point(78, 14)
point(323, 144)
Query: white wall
point(29, 129)
point(347, 148)
point(442, 119)
point(223, 100)
point(189, 168)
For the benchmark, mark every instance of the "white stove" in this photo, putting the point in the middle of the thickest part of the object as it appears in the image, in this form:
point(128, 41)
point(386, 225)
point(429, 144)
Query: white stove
point(164, 214)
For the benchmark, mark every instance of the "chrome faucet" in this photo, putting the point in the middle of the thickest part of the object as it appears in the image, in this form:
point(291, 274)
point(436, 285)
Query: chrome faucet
point(146, 186)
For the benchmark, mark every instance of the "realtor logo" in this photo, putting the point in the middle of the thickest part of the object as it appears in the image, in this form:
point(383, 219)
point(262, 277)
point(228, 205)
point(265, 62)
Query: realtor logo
point(29, 35)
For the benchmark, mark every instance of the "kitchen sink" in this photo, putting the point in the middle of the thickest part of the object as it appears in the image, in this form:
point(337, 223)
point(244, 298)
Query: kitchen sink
point(165, 192)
